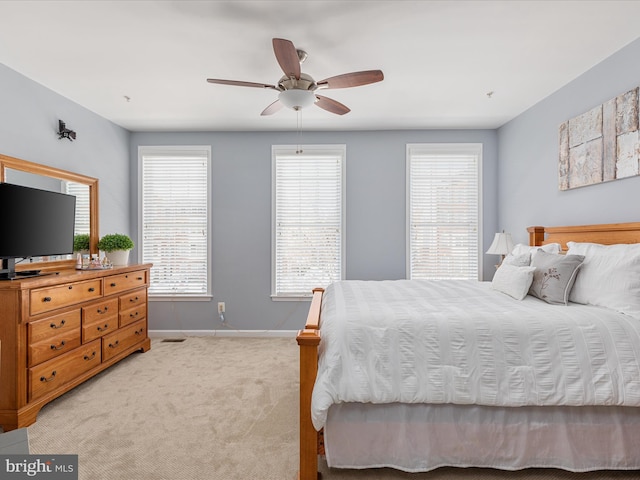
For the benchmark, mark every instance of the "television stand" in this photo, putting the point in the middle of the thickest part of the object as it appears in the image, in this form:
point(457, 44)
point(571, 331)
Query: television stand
point(8, 271)
point(93, 320)
point(24, 274)
point(7, 268)
point(28, 273)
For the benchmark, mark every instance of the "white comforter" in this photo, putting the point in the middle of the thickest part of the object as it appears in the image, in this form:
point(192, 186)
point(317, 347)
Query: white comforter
point(461, 342)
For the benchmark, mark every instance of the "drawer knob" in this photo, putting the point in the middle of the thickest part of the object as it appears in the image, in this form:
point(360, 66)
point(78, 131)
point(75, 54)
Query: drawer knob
point(134, 314)
point(135, 299)
point(46, 299)
point(113, 284)
point(139, 278)
point(91, 289)
point(102, 329)
point(70, 287)
point(53, 325)
point(87, 357)
point(139, 332)
point(102, 312)
point(62, 344)
point(45, 379)
point(114, 345)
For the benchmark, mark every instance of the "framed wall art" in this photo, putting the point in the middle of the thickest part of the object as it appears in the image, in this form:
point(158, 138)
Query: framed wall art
point(602, 144)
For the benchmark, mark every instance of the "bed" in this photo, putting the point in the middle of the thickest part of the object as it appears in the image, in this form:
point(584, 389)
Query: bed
point(533, 383)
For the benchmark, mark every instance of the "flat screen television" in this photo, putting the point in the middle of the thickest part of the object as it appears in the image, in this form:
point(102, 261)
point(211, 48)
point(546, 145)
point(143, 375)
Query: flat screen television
point(34, 223)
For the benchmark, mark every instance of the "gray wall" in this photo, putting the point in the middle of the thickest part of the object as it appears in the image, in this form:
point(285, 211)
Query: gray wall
point(241, 217)
point(524, 179)
point(29, 116)
point(528, 156)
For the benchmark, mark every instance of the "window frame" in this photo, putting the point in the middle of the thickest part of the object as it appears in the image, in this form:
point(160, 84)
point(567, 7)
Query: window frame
point(176, 150)
point(445, 149)
point(333, 149)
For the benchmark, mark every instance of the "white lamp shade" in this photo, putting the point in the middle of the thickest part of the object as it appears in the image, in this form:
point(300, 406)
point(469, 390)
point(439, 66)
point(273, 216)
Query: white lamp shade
point(502, 244)
point(297, 99)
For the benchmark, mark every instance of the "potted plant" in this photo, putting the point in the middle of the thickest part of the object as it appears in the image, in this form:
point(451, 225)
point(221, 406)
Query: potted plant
point(81, 243)
point(116, 246)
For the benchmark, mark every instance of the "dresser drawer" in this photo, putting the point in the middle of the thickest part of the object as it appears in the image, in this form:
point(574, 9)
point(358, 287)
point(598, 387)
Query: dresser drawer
point(46, 299)
point(126, 281)
point(133, 299)
point(133, 315)
point(98, 329)
point(98, 312)
point(55, 373)
point(54, 325)
point(126, 337)
point(53, 346)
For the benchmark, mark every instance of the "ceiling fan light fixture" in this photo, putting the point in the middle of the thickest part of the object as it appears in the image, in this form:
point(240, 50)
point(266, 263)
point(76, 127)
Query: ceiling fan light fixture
point(297, 99)
point(297, 88)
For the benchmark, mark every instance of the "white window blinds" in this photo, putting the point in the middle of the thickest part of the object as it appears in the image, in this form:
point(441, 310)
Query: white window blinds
point(443, 210)
point(81, 192)
point(307, 219)
point(174, 219)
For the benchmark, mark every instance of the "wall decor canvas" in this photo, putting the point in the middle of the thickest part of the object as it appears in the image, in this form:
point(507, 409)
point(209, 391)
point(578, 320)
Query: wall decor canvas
point(602, 144)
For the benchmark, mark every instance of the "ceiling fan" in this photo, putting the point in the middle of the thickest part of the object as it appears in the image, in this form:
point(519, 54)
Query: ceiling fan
point(297, 89)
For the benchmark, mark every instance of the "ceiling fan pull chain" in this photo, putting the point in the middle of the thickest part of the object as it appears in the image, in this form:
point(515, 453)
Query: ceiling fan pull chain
point(299, 127)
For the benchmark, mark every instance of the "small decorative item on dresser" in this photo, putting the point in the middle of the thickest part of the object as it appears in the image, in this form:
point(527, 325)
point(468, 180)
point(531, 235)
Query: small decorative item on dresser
point(117, 247)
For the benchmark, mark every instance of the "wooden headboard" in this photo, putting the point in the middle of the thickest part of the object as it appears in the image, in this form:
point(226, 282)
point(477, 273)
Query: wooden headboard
point(606, 233)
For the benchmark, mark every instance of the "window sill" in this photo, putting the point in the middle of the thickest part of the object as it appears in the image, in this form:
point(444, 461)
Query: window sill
point(180, 298)
point(291, 298)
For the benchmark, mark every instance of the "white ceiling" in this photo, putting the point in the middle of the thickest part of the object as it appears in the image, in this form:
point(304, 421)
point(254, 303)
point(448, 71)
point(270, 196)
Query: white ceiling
point(440, 58)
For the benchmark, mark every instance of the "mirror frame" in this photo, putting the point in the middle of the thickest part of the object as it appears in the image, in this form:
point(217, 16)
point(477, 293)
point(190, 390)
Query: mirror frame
point(44, 170)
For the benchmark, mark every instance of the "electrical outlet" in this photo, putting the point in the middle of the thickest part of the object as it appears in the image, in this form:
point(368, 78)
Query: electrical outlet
point(220, 307)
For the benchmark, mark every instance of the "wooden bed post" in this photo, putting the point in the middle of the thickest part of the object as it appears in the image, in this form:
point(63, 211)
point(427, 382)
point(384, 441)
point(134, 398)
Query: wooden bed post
point(536, 236)
point(308, 340)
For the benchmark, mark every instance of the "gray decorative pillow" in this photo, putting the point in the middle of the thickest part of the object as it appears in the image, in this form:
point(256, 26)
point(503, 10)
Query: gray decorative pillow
point(554, 276)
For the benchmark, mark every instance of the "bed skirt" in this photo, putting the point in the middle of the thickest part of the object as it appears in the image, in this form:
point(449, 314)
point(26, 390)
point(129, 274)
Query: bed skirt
point(419, 438)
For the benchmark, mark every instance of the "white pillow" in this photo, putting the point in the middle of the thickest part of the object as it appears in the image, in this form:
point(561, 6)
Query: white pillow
point(609, 276)
point(521, 248)
point(512, 280)
point(517, 260)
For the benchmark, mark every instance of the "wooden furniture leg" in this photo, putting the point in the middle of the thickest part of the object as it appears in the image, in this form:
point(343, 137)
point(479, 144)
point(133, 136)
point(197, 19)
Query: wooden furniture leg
point(308, 341)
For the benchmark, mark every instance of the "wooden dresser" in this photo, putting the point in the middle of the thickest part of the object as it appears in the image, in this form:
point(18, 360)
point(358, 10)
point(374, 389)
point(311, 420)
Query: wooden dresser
point(58, 330)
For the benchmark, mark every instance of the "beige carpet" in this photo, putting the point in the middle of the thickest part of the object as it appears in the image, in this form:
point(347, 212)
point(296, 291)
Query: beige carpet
point(208, 408)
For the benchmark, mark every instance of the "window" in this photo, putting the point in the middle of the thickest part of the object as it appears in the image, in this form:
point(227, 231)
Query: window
point(307, 219)
point(81, 192)
point(443, 211)
point(174, 225)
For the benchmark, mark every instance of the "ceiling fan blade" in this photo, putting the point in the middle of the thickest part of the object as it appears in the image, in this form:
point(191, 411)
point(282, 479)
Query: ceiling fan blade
point(354, 79)
point(331, 105)
point(273, 108)
point(287, 57)
point(240, 84)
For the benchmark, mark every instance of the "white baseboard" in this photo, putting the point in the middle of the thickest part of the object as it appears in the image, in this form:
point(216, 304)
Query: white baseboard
point(221, 333)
